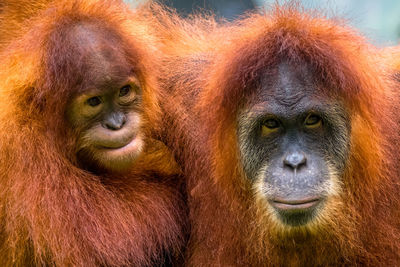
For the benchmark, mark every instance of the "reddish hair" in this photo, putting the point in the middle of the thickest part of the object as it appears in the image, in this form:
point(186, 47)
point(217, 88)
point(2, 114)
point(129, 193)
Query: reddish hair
point(51, 211)
point(229, 226)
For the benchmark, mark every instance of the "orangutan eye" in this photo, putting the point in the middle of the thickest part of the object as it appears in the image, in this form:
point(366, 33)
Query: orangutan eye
point(125, 90)
point(94, 101)
point(270, 126)
point(313, 121)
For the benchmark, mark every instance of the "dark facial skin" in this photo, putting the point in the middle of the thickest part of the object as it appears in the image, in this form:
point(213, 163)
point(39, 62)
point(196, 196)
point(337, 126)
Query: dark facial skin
point(294, 143)
point(106, 110)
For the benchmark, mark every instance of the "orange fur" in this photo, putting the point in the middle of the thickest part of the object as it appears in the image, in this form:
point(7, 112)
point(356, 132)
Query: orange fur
point(391, 56)
point(52, 212)
point(230, 223)
point(13, 13)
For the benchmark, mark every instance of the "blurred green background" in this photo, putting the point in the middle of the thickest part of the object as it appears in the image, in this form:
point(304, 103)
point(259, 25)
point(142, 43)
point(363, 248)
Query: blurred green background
point(378, 20)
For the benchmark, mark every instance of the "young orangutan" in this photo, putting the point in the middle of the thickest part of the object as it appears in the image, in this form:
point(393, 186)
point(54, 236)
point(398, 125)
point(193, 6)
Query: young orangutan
point(82, 181)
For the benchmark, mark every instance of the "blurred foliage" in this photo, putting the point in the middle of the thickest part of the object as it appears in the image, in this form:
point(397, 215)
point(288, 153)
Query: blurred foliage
point(378, 20)
point(228, 9)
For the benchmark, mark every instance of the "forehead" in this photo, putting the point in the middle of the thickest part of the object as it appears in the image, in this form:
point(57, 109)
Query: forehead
point(290, 87)
point(102, 54)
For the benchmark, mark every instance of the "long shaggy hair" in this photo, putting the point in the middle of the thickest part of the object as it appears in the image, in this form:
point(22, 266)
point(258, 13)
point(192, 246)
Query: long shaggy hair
point(51, 211)
point(230, 221)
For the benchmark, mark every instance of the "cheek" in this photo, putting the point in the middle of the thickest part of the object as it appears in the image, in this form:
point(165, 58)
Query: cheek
point(336, 146)
point(80, 115)
point(255, 154)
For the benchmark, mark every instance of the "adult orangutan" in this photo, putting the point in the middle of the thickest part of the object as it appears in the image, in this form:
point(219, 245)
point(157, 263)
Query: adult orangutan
point(82, 182)
point(293, 145)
